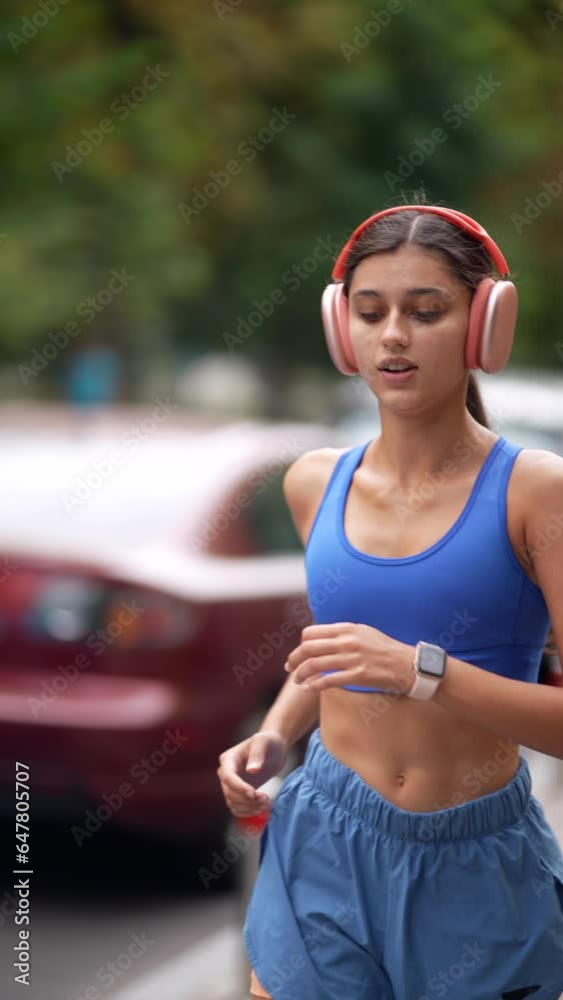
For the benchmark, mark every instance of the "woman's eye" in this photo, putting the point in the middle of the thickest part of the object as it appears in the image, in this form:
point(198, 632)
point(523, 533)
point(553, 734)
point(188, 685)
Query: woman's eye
point(371, 317)
point(427, 317)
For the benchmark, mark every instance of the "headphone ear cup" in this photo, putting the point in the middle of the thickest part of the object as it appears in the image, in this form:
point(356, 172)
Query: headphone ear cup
point(334, 311)
point(498, 327)
point(492, 322)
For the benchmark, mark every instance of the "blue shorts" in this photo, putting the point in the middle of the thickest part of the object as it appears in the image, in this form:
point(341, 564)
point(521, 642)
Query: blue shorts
point(357, 899)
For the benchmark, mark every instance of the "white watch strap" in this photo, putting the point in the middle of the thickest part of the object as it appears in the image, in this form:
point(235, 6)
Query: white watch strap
point(424, 687)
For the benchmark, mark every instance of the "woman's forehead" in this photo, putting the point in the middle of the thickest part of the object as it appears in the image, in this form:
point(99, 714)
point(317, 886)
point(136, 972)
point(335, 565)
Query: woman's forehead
point(402, 269)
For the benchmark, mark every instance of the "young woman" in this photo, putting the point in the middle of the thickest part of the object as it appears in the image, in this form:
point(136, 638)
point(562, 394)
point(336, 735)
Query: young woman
point(407, 858)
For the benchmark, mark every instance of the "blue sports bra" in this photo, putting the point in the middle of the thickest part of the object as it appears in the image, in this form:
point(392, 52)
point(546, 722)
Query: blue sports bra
point(467, 593)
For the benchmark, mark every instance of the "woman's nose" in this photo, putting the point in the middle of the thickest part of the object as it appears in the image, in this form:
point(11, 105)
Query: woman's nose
point(395, 331)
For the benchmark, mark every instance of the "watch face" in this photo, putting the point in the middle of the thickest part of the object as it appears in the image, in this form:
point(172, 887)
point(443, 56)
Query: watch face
point(431, 660)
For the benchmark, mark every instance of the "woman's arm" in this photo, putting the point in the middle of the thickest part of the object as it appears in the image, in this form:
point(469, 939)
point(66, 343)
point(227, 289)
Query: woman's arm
point(529, 714)
point(295, 709)
point(293, 713)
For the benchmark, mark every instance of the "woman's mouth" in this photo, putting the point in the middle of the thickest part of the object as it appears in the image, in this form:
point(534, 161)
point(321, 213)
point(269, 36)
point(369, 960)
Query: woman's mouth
point(397, 372)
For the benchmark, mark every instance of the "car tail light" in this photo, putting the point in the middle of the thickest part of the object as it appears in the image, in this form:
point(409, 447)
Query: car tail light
point(137, 619)
point(73, 609)
point(65, 609)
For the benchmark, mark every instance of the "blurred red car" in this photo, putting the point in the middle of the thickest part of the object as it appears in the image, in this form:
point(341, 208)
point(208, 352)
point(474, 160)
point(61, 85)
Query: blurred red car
point(151, 587)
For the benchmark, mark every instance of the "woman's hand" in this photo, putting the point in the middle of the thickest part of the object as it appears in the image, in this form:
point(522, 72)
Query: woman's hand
point(360, 655)
point(246, 766)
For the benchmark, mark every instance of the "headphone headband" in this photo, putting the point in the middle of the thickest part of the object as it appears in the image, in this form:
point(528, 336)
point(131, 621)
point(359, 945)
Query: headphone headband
point(456, 218)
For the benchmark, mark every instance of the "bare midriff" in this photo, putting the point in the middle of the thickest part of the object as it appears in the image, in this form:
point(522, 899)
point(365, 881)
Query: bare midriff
point(416, 754)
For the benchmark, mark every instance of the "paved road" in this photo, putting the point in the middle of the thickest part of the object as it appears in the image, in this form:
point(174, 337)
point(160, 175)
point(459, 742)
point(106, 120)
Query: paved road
point(120, 919)
point(123, 919)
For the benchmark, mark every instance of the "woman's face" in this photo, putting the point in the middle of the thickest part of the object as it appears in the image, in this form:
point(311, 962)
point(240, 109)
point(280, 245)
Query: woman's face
point(409, 304)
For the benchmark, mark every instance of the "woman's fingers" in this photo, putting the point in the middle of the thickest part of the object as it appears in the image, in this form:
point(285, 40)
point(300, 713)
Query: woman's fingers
point(241, 803)
point(311, 647)
point(233, 784)
point(242, 810)
point(311, 669)
point(241, 797)
point(337, 679)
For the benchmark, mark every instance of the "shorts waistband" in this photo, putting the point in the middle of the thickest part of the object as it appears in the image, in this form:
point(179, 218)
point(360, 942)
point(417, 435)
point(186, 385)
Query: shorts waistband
point(475, 818)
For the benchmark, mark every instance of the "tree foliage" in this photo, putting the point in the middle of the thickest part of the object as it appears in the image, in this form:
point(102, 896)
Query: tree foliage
point(185, 90)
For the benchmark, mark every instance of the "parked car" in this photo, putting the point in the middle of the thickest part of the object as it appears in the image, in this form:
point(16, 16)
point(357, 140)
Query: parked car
point(151, 587)
point(525, 407)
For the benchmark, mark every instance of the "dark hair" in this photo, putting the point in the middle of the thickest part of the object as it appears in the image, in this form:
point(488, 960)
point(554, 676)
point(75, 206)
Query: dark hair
point(466, 256)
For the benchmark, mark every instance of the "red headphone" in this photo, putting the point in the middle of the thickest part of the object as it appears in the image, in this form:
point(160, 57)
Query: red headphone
point(492, 317)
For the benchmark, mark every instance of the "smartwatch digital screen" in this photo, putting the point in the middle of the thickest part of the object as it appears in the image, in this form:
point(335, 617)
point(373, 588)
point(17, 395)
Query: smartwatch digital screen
point(431, 659)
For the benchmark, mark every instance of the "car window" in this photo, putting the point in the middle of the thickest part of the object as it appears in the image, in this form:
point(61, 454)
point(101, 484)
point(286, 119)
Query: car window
point(268, 519)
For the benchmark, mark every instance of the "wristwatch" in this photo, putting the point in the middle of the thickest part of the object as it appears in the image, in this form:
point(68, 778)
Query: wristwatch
point(429, 666)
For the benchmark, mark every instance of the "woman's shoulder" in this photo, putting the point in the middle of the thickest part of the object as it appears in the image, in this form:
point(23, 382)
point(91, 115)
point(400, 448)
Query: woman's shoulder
point(311, 470)
point(537, 470)
point(305, 483)
point(536, 485)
